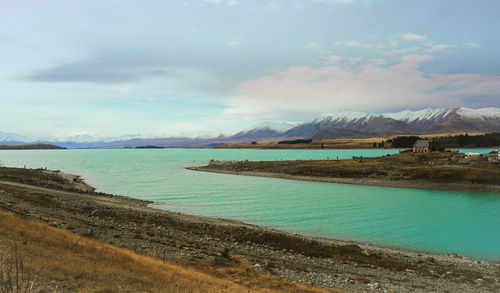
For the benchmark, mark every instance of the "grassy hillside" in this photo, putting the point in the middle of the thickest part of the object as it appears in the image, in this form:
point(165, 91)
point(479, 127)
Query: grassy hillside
point(57, 260)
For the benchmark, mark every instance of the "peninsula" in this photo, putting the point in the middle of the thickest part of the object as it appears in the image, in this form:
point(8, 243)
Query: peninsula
point(432, 170)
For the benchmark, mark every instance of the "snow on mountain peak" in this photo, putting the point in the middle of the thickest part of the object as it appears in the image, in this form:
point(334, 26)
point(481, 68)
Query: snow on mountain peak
point(422, 115)
point(15, 137)
point(272, 125)
point(344, 116)
point(482, 113)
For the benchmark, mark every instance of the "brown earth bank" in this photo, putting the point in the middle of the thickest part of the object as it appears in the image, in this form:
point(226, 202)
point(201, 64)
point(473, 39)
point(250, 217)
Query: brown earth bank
point(30, 146)
point(213, 246)
point(435, 170)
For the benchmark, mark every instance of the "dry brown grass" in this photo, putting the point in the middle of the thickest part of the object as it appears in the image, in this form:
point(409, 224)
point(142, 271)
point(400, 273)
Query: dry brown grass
point(66, 262)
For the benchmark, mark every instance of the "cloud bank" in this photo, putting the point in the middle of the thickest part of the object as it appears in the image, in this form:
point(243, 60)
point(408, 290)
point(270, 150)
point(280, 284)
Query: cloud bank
point(376, 87)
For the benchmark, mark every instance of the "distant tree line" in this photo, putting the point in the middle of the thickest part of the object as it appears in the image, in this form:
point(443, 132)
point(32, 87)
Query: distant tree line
point(295, 141)
point(466, 140)
point(379, 145)
point(403, 141)
point(451, 141)
point(149, 147)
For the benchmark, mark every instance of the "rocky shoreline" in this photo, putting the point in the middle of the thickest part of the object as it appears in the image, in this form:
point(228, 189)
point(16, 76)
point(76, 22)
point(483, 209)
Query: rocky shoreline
point(348, 266)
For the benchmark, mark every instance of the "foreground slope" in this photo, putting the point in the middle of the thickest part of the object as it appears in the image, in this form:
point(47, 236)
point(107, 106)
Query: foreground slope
point(55, 260)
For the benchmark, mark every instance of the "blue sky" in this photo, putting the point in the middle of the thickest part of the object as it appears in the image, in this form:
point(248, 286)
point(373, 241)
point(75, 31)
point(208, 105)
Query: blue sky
point(200, 68)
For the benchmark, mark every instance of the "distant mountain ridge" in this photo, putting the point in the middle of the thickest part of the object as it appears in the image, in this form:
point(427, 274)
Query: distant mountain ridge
point(265, 129)
point(424, 121)
point(343, 124)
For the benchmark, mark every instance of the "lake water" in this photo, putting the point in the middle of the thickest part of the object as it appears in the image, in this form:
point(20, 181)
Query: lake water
point(467, 223)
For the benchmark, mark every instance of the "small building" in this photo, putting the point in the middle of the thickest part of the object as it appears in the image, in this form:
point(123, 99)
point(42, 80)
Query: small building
point(421, 146)
point(492, 156)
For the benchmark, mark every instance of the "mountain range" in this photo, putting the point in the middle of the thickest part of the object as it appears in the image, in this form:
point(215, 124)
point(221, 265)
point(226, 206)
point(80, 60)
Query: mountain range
point(348, 124)
point(344, 124)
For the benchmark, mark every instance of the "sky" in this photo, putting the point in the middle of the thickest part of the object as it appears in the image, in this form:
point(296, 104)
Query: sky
point(108, 68)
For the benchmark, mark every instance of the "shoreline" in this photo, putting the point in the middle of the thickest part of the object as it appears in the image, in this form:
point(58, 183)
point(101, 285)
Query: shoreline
point(172, 236)
point(358, 181)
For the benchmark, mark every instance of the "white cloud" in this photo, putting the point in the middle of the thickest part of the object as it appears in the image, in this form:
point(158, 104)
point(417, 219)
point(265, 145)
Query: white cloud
point(123, 90)
point(224, 2)
point(413, 37)
point(233, 43)
point(343, 1)
point(395, 47)
point(233, 2)
point(378, 61)
point(213, 1)
point(358, 44)
point(333, 59)
point(472, 45)
point(354, 60)
point(314, 47)
point(415, 59)
point(376, 87)
point(401, 51)
point(438, 47)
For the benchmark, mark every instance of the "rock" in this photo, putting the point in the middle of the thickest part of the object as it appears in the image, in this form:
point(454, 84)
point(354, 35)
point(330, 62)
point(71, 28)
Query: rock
point(374, 285)
point(430, 259)
point(351, 248)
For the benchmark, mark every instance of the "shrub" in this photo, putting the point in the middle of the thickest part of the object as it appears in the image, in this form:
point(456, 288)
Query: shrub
point(14, 275)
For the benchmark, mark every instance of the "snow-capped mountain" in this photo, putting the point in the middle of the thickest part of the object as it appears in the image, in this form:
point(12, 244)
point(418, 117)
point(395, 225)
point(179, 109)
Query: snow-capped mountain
point(355, 121)
point(14, 138)
point(441, 120)
point(81, 138)
point(75, 141)
point(89, 138)
point(272, 125)
point(483, 113)
point(342, 124)
point(265, 129)
point(421, 115)
point(428, 114)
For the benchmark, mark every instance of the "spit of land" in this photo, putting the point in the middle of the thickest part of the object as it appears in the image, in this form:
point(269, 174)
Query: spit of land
point(433, 170)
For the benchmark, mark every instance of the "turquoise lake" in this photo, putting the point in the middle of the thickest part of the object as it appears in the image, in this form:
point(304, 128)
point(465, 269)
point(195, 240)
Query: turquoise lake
point(466, 223)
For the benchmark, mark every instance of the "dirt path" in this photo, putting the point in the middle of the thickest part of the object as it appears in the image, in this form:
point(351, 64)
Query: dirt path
point(175, 237)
